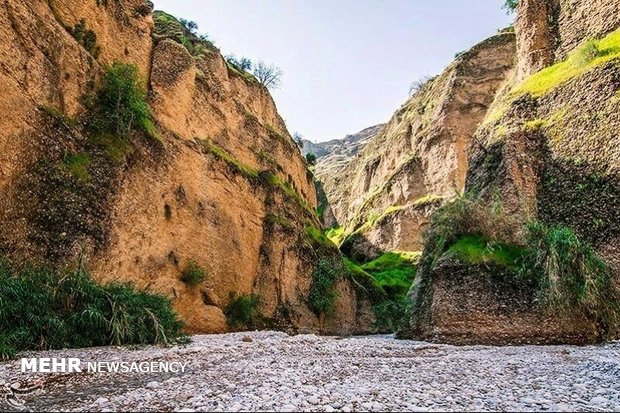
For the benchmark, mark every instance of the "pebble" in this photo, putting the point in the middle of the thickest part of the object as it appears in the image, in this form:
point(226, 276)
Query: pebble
point(311, 373)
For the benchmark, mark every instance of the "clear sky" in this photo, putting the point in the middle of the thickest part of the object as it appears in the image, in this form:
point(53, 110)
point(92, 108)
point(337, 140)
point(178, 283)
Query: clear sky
point(347, 64)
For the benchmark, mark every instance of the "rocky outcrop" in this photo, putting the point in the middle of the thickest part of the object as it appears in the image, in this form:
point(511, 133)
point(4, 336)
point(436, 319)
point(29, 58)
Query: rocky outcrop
point(385, 195)
point(223, 188)
point(550, 29)
point(549, 152)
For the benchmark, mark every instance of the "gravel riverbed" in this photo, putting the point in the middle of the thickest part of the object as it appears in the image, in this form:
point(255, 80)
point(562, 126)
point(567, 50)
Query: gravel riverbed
point(261, 371)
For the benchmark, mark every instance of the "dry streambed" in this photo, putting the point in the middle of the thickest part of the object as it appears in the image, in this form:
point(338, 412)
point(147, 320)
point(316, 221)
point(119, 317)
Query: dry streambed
point(274, 371)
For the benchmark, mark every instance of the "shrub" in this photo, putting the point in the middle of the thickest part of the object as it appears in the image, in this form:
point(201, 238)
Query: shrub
point(193, 274)
point(392, 315)
point(570, 275)
point(243, 311)
point(311, 159)
point(43, 309)
point(323, 293)
point(511, 5)
point(120, 105)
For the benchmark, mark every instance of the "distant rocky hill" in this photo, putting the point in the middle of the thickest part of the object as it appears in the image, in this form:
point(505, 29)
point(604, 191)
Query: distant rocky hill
point(344, 148)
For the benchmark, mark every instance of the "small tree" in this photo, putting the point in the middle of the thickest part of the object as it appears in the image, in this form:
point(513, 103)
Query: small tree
point(511, 5)
point(191, 26)
point(311, 159)
point(243, 64)
point(269, 76)
point(419, 85)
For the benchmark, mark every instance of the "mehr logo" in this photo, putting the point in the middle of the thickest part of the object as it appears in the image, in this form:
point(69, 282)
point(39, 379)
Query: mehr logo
point(74, 365)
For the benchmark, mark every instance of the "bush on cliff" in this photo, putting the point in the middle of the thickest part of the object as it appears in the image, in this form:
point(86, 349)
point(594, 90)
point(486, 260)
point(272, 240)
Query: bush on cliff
point(43, 309)
point(571, 276)
point(323, 293)
point(120, 106)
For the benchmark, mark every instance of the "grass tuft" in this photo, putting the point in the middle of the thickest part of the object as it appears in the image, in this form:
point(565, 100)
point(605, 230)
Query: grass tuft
point(243, 311)
point(42, 309)
point(77, 165)
point(193, 274)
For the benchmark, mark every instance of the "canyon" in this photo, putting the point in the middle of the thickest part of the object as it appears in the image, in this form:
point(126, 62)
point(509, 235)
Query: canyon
point(511, 150)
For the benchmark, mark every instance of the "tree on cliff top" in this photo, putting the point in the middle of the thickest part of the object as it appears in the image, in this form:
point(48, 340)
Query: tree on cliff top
point(511, 5)
point(269, 76)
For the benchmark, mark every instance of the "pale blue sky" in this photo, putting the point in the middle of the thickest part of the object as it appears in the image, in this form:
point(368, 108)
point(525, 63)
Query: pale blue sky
point(347, 64)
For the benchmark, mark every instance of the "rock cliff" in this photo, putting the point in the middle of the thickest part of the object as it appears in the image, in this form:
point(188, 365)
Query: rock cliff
point(384, 196)
point(218, 186)
point(545, 177)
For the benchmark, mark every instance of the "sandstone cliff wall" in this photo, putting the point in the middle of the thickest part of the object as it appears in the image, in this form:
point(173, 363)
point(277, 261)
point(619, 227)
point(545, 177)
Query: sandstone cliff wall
point(549, 153)
point(224, 188)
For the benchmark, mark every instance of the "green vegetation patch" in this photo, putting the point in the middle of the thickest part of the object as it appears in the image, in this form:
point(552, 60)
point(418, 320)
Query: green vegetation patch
point(336, 234)
point(77, 165)
point(280, 221)
point(475, 249)
point(182, 31)
point(590, 55)
point(275, 181)
point(42, 309)
point(316, 238)
point(243, 311)
point(394, 271)
point(231, 161)
point(59, 116)
point(365, 281)
point(193, 274)
point(326, 275)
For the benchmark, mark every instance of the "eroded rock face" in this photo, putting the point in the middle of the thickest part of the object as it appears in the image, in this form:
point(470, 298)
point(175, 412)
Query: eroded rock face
point(226, 189)
point(465, 305)
point(384, 196)
point(548, 154)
